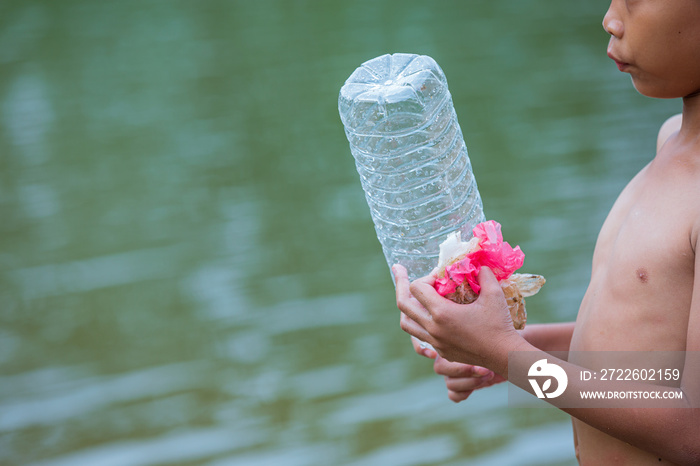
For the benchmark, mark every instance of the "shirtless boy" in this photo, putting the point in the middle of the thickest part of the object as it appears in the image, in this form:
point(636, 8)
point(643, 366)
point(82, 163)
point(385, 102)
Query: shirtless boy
point(644, 293)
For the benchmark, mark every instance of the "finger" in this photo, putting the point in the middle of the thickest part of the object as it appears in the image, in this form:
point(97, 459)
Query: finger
point(463, 384)
point(458, 396)
point(402, 282)
point(410, 326)
point(430, 278)
point(423, 290)
point(493, 381)
point(488, 281)
point(456, 369)
point(403, 285)
point(422, 348)
point(405, 301)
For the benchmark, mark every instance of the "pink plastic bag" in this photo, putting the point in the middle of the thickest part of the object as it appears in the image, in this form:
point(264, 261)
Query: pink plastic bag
point(492, 252)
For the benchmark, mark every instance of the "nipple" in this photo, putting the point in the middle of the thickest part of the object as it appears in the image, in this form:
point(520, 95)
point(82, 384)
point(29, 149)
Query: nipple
point(642, 274)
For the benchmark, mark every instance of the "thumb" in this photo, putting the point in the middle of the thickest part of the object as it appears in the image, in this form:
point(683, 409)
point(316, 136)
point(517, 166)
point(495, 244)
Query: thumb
point(488, 281)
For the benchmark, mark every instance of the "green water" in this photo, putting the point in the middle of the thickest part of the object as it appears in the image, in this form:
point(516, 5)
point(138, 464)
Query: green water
point(188, 270)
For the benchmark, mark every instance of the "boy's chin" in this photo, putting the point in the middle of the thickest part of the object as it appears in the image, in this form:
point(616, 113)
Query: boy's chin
point(660, 92)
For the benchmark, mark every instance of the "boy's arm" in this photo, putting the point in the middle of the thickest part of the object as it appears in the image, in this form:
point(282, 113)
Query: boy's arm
point(549, 337)
point(481, 333)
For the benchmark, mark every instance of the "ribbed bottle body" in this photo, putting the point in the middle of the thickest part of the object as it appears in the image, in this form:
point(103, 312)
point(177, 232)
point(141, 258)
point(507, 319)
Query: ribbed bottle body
point(411, 157)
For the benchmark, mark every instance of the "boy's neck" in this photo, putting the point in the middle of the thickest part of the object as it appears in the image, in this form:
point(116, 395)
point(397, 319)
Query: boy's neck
point(690, 128)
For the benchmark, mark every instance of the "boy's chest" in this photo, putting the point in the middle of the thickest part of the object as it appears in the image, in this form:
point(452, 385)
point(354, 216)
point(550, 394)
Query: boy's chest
point(642, 277)
point(647, 237)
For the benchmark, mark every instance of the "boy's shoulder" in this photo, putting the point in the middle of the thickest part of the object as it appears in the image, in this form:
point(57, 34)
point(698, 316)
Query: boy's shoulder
point(668, 128)
point(685, 176)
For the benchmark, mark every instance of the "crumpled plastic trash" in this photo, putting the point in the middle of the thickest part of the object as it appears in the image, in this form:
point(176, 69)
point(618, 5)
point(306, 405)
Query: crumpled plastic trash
point(459, 265)
point(490, 251)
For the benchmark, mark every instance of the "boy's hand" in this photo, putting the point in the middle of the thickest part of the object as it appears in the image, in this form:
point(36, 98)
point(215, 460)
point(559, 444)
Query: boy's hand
point(460, 379)
point(480, 333)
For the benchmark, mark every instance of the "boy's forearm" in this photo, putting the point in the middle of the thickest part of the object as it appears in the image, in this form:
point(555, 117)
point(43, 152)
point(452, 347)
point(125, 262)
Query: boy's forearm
point(549, 337)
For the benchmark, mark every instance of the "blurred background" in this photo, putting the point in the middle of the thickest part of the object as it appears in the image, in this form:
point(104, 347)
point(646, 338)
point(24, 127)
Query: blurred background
point(188, 270)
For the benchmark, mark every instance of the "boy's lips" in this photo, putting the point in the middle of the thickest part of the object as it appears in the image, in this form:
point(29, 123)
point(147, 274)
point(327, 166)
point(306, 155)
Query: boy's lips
point(621, 65)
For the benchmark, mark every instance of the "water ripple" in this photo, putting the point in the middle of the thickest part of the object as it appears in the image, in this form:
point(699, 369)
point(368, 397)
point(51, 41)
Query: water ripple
point(80, 397)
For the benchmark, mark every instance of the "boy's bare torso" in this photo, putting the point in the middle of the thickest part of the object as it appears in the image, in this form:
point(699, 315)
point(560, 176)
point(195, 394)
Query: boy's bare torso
point(642, 279)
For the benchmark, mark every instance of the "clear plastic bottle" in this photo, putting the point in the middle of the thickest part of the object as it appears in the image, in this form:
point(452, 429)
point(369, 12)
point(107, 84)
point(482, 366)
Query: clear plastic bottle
point(411, 157)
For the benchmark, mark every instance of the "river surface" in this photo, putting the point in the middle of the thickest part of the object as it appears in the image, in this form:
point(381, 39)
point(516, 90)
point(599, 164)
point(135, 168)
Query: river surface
point(189, 273)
